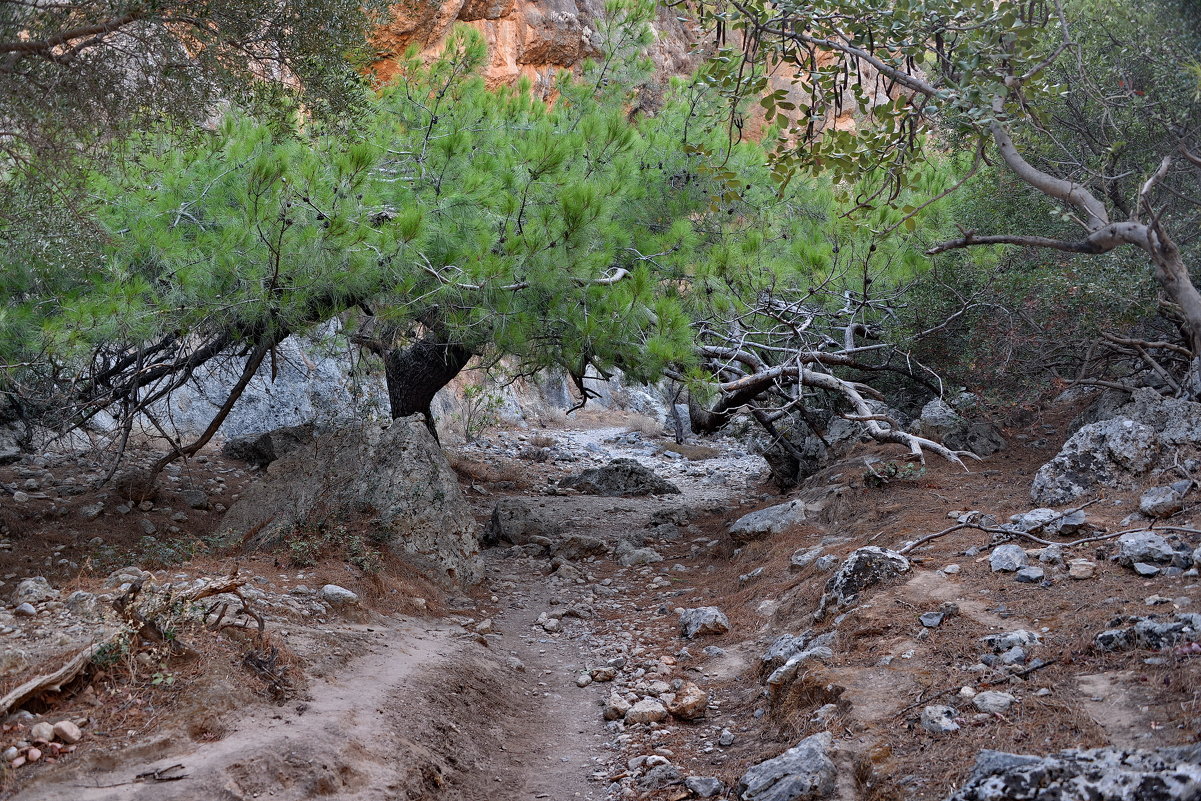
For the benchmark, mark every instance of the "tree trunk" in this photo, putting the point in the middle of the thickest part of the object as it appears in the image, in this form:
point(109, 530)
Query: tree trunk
point(416, 373)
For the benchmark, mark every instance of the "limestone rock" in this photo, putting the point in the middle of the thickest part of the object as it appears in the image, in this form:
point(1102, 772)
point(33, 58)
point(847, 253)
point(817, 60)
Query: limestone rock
point(1007, 558)
point(616, 707)
point(396, 479)
point(34, 590)
point(1144, 546)
point(516, 521)
point(803, 557)
point(338, 596)
point(991, 701)
point(1100, 774)
point(703, 620)
point(704, 786)
point(42, 732)
point(801, 773)
point(1108, 453)
point(864, 568)
point(772, 520)
point(690, 702)
point(261, 450)
point(579, 546)
point(1161, 502)
point(939, 719)
point(938, 421)
point(620, 478)
point(68, 732)
point(648, 710)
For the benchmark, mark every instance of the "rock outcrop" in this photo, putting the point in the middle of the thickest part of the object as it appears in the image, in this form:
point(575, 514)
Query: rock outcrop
point(528, 39)
point(1100, 774)
point(620, 478)
point(393, 480)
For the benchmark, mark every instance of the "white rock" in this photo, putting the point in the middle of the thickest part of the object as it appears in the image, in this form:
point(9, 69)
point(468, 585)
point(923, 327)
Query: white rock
point(993, 702)
point(335, 595)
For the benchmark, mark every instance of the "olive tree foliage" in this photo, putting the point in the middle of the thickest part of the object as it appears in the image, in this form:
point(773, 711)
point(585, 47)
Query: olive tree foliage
point(1089, 104)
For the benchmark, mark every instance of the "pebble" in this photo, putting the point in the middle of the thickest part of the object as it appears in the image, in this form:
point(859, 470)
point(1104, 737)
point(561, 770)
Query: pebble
point(726, 738)
point(1031, 575)
point(993, 702)
point(583, 680)
point(951, 570)
point(43, 732)
point(931, 619)
point(1081, 569)
point(68, 732)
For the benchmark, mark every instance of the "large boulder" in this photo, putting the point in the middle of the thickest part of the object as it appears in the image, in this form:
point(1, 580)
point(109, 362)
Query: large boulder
point(261, 450)
point(864, 568)
point(1099, 774)
point(1109, 453)
point(941, 423)
point(772, 520)
point(394, 479)
point(620, 478)
point(801, 773)
point(516, 522)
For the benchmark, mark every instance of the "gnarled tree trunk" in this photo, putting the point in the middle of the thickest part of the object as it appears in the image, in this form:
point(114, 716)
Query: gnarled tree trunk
point(416, 373)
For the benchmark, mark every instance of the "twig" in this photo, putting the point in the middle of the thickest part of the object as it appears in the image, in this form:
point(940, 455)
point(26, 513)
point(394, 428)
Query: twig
point(1021, 673)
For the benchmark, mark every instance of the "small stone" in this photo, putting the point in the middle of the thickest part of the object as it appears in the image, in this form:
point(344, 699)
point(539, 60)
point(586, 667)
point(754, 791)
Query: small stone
point(648, 710)
point(1145, 570)
point(147, 525)
point(25, 610)
point(703, 620)
point(337, 596)
point(583, 680)
point(939, 719)
point(91, 511)
point(703, 786)
point(726, 738)
point(20, 496)
point(42, 732)
point(993, 702)
point(1014, 656)
point(604, 674)
point(951, 570)
point(616, 707)
point(33, 754)
point(68, 732)
point(146, 506)
point(1007, 558)
point(931, 619)
point(552, 625)
point(1161, 502)
point(1081, 569)
point(11, 753)
point(1031, 575)
point(484, 626)
point(195, 499)
point(690, 702)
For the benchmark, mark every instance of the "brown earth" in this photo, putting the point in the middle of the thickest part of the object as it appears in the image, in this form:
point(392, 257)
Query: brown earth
point(400, 702)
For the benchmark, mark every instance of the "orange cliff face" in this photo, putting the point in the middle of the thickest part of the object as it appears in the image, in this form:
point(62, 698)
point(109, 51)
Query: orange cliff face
point(526, 38)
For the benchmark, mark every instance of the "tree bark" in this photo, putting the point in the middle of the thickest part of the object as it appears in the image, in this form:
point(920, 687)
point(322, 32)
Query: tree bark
point(416, 373)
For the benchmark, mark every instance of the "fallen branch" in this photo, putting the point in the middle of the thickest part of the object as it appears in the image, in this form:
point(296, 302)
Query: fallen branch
point(52, 681)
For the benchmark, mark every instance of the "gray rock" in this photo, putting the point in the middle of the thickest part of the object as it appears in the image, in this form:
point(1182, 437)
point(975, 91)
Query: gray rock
point(1008, 558)
point(801, 773)
point(579, 546)
point(395, 479)
point(1014, 656)
point(659, 776)
point(992, 702)
point(630, 556)
point(195, 499)
point(337, 596)
point(1051, 522)
point(781, 649)
point(1109, 453)
point(940, 422)
point(703, 620)
point(91, 511)
point(1161, 502)
point(803, 557)
point(262, 449)
point(1144, 546)
point(726, 738)
point(772, 520)
point(1101, 774)
point(81, 603)
point(1197, 557)
point(863, 568)
point(1051, 555)
point(34, 590)
point(1152, 632)
point(704, 786)
point(620, 478)
point(1031, 575)
point(516, 521)
point(939, 719)
point(783, 677)
point(616, 707)
point(1010, 639)
point(931, 619)
point(824, 563)
point(1145, 570)
point(648, 710)
point(25, 610)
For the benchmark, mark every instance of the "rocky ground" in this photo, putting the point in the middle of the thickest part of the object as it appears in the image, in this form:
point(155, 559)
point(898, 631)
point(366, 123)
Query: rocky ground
point(720, 641)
